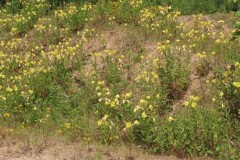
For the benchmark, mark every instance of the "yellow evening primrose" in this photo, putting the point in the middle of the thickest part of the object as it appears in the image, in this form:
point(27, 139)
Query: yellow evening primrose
point(236, 84)
point(100, 122)
point(186, 103)
point(214, 81)
point(68, 125)
point(99, 94)
point(15, 88)
point(142, 101)
point(30, 91)
point(117, 96)
point(221, 94)
point(170, 119)
point(150, 107)
point(148, 97)
point(128, 95)
point(194, 104)
point(113, 104)
point(128, 125)
point(196, 98)
point(213, 99)
point(98, 88)
point(237, 64)
point(34, 108)
point(136, 122)
point(6, 115)
point(8, 89)
point(144, 115)
point(105, 117)
point(137, 108)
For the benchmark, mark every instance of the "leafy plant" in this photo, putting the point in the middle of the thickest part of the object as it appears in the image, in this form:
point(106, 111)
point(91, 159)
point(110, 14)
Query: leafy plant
point(194, 131)
point(236, 34)
point(174, 74)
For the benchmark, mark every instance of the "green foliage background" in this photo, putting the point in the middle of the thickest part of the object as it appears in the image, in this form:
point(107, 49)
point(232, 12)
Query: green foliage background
point(185, 6)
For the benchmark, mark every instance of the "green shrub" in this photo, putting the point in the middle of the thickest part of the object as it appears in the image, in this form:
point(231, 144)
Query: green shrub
point(196, 6)
point(174, 74)
point(236, 34)
point(227, 90)
point(195, 131)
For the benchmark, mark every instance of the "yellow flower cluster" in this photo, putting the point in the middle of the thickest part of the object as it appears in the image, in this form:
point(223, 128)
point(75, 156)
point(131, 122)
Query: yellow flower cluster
point(202, 55)
point(103, 120)
point(60, 14)
point(148, 77)
point(163, 46)
point(154, 18)
point(130, 125)
point(87, 7)
point(21, 22)
point(106, 98)
point(136, 3)
point(236, 84)
point(192, 101)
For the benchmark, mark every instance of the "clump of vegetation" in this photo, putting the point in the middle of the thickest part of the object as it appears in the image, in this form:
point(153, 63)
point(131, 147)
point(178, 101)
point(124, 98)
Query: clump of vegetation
point(236, 34)
point(191, 132)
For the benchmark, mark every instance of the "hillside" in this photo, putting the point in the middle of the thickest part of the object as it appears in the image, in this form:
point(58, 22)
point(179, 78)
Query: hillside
point(118, 80)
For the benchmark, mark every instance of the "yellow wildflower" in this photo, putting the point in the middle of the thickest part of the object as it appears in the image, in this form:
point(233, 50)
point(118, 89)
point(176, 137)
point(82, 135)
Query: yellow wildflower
point(8, 89)
point(137, 108)
point(144, 115)
point(68, 125)
point(105, 117)
point(128, 95)
point(30, 91)
point(6, 115)
point(194, 104)
point(170, 119)
point(236, 84)
point(128, 125)
point(186, 103)
point(148, 97)
point(136, 122)
point(100, 122)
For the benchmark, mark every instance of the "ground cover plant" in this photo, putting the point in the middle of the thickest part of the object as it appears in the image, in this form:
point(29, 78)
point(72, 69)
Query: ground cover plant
point(129, 71)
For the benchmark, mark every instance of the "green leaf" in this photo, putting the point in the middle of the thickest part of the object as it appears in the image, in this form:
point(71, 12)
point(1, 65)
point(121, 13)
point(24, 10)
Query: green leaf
point(238, 13)
point(235, 1)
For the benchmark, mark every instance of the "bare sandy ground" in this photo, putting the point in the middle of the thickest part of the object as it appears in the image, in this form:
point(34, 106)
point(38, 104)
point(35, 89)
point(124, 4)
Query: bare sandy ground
point(60, 150)
point(63, 151)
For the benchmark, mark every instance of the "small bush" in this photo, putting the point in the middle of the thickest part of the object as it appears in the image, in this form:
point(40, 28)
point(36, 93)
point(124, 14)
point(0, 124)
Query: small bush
point(174, 74)
point(195, 131)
